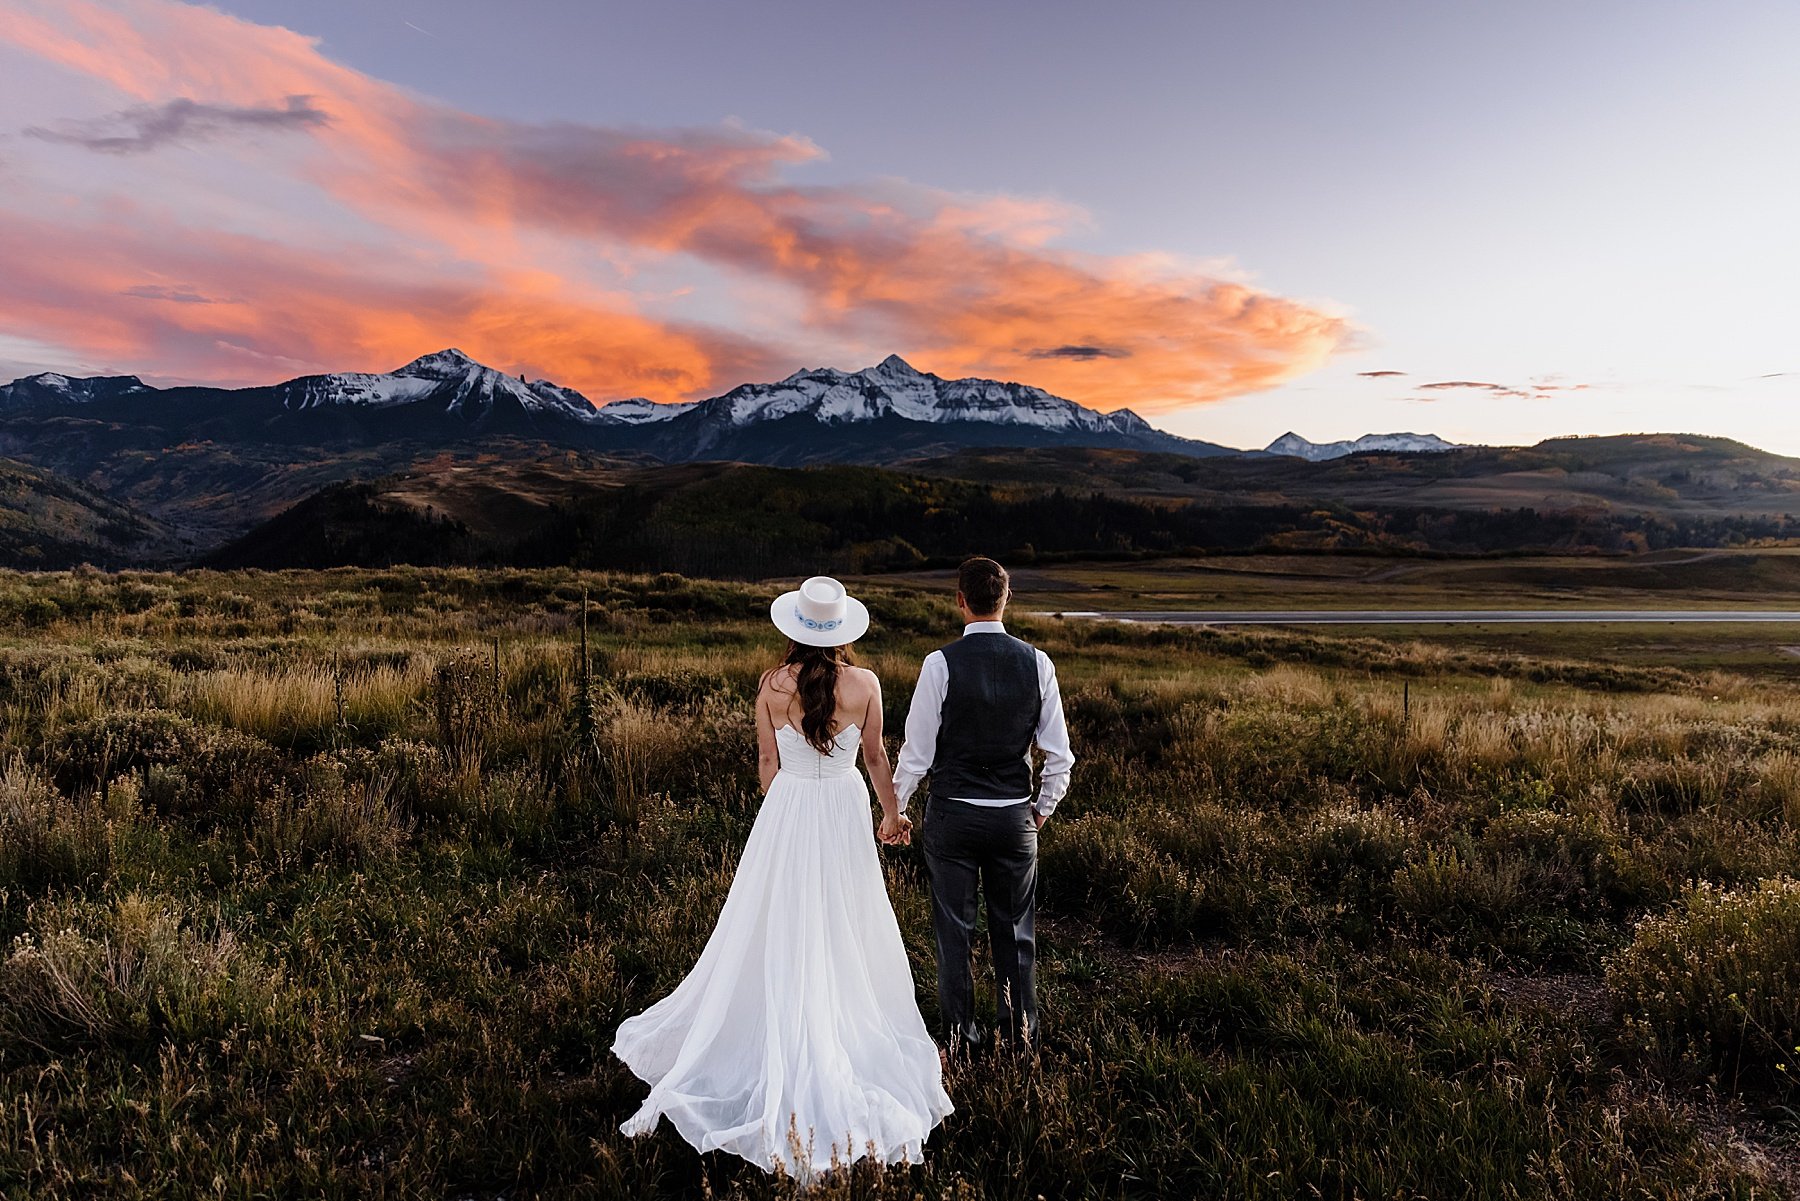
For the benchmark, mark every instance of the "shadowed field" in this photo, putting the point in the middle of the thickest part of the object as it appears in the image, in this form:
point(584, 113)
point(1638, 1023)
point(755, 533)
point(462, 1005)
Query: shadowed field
point(337, 884)
point(1763, 578)
point(1683, 578)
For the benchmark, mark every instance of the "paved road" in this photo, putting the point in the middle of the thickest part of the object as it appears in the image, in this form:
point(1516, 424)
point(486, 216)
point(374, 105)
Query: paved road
point(1343, 617)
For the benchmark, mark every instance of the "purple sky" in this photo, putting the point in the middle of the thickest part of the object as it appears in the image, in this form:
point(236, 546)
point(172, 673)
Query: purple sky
point(1580, 213)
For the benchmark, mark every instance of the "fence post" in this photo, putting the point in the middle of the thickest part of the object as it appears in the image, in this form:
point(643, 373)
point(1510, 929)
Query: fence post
point(587, 713)
point(337, 695)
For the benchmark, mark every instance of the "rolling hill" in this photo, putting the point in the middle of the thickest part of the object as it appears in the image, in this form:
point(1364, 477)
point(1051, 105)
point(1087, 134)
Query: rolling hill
point(1671, 476)
point(50, 522)
point(740, 520)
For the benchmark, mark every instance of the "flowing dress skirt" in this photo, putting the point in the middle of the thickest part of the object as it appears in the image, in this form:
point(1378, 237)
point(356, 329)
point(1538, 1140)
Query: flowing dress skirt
point(797, 1039)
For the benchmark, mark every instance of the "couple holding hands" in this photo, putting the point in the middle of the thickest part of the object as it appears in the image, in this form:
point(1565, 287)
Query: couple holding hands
point(796, 1041)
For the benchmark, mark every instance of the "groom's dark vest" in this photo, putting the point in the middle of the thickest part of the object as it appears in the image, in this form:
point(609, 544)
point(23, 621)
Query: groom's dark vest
point(990, 716)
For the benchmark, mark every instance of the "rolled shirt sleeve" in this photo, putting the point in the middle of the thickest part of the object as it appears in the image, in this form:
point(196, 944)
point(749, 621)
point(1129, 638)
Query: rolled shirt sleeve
point(1052, 739)
point(922, 720)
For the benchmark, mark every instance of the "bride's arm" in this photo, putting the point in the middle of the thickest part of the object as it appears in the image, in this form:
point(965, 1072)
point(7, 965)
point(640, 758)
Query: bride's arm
point(875, 757)
point(768, 755)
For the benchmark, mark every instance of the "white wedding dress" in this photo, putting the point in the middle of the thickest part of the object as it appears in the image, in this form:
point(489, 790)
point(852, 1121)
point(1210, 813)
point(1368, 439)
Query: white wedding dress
point(797, 1040)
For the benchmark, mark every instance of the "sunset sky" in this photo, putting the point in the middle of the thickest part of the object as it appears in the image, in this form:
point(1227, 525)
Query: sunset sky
point(1495, 222)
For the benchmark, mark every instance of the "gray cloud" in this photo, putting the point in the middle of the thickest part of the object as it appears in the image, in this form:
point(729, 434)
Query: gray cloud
point(1467, 383)
point(179, 293)
point(151, 126)
point(1477, 385)
point(1536, 390)
point(1380, 374)
point(1078, 352)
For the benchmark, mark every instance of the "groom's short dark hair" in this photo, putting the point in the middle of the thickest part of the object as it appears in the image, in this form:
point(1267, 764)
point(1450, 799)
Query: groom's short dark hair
point(983, 584)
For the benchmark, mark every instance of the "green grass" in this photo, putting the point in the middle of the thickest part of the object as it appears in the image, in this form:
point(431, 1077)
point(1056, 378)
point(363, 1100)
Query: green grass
point(338, 884)
point(1763, 578)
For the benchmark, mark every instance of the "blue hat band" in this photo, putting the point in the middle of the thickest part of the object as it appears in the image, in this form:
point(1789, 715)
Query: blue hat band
point(821, 626)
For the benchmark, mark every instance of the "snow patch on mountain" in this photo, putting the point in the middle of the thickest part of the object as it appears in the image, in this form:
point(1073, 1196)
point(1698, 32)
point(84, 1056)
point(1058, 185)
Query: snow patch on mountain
point(1293, 444)
point(639, 410)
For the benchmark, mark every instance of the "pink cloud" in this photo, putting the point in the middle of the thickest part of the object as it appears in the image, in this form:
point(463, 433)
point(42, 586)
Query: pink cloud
point(961, 285)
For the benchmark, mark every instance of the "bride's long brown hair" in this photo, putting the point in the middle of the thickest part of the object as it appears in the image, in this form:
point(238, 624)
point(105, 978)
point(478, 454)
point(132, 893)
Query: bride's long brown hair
point(815, 682)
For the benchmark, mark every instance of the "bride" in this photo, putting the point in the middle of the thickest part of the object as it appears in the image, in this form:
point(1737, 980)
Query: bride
point(796, 1040)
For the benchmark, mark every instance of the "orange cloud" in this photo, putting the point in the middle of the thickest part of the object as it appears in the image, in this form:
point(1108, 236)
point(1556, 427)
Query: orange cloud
point(959, 285)
point(916, 268)
point(254, 311)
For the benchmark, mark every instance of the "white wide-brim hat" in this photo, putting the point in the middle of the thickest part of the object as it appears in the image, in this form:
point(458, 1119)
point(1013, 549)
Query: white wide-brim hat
point(820, 613)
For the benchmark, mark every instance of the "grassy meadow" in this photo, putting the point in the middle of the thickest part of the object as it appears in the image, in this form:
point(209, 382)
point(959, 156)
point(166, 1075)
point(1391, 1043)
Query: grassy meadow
point(337, 884)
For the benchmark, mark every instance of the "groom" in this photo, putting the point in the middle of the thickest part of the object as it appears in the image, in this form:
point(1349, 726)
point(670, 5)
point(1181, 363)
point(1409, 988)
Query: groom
point(980, 704)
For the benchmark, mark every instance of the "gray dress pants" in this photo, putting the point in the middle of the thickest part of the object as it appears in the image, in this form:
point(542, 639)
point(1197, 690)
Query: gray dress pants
point(995, 848)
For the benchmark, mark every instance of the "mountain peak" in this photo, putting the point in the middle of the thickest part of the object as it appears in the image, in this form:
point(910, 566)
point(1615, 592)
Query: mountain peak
point(1129, 419)
point(447, 380)
point(438, 364)
point(895, 365)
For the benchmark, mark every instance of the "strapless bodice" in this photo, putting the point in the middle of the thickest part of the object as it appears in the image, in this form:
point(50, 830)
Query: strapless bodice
point(800, 758)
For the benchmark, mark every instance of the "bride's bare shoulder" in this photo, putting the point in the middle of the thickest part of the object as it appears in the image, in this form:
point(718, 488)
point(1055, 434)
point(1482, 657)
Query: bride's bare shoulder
point(860, 685)
point(777, 679)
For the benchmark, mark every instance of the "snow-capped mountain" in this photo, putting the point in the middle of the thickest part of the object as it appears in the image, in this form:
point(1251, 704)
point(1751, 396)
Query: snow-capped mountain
point(638, 410)
point(1293, 444)
point(449, 380)
point(886, 413)
point(49, 388)
point(894, 388)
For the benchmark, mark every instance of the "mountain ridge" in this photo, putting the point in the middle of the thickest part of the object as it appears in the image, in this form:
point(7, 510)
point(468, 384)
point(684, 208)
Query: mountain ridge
point(878, 414)
point(451, 391)
point(54, 388)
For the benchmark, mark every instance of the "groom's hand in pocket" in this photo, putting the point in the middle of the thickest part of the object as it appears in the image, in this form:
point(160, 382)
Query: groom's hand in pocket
point(1038, 819)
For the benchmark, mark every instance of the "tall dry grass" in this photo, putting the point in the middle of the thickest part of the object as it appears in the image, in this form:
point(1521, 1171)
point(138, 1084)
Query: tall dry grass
point(330, 815)
point(49, 840)
point(1717, 978)
point(119, 974)
point(306, 703)
point(268, 949)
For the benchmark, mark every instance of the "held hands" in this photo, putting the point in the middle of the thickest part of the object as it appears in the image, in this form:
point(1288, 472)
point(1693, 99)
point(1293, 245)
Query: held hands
point(895, 831)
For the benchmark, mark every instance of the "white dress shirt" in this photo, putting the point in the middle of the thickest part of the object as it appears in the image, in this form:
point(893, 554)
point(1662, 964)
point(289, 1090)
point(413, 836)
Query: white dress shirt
point(922, 720)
